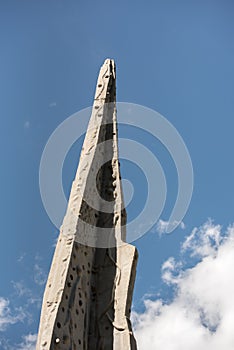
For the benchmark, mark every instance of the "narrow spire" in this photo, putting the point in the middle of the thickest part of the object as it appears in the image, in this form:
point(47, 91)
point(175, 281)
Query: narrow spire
point(88, 295)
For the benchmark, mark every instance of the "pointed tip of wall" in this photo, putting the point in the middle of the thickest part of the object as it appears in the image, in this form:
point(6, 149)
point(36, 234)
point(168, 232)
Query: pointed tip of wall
point(109, 61)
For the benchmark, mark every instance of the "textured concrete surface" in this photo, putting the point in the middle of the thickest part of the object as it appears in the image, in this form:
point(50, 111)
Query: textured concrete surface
point(88, 295)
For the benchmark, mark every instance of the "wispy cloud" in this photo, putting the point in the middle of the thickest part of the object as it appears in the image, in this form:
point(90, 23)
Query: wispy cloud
point(22, 291)
point(8, 316)
point(39, 275)
point(28, 343)
point(204, 241)
point(21, 257)
point(170, 270)
point(201, 314)
point(162, 226)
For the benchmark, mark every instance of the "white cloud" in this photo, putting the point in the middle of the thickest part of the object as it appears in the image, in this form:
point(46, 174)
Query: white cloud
point(201, 314)
point(170, 270)
point(162, 225)
point(204, 241)
point(28, 343)
point(7, 317)
point(21, 290)
point(21, 257)
point(39, 275)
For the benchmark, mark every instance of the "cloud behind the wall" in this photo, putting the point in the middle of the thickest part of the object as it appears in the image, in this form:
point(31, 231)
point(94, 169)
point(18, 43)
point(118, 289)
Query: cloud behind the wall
point(201, 314)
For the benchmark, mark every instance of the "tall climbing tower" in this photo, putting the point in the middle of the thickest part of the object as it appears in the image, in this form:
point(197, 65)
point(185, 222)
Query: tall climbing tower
point(88, 295)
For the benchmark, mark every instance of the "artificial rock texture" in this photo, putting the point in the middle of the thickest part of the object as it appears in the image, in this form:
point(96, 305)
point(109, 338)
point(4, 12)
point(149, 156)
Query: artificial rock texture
point(88, 295)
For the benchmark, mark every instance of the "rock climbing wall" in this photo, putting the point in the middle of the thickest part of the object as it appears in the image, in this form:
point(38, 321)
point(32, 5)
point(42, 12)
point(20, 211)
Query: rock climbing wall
point(88, 295)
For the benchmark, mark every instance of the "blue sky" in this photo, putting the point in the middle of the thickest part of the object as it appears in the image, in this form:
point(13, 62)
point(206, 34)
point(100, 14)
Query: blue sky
point(174, 57)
